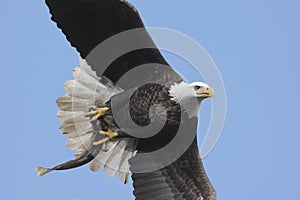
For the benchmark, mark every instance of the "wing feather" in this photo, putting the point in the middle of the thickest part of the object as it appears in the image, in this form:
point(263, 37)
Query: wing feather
point(87, 23)
point(184, 179)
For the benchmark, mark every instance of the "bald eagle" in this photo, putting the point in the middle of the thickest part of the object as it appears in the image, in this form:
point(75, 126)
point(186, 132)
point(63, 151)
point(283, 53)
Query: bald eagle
point(86, 111)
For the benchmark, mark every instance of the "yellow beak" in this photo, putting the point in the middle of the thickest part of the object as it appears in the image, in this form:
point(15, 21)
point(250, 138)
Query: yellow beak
point(206, 92)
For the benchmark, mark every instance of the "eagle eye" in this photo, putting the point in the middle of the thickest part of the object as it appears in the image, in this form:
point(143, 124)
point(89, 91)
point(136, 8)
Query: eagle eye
point(197, 87)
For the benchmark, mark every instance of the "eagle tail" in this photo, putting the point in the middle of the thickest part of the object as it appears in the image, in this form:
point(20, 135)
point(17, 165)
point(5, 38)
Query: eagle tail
point(85, 91)
point(115, 159)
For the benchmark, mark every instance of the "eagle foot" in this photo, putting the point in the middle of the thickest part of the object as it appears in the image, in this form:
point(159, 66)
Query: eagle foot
point(109, 135)
point(98, 112)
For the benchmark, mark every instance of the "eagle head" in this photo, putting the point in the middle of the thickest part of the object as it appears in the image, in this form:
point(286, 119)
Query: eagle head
point(190, 96)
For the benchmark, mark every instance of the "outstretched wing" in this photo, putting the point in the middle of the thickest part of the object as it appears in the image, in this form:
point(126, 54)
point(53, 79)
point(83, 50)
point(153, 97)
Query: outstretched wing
point(87, 23)
point(184, 179)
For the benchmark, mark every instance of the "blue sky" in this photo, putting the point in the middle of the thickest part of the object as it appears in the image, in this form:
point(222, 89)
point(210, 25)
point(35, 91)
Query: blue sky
point(255, 44)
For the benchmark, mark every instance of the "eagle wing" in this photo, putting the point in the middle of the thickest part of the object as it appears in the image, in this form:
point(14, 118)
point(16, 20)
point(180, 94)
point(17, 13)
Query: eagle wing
point(183, 179)
point(87, 23)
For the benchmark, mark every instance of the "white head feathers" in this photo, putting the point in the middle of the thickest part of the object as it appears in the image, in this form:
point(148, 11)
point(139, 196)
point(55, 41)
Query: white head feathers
point(189, 96)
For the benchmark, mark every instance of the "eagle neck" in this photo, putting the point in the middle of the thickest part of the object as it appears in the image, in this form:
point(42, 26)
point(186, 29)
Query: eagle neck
point(184, 95)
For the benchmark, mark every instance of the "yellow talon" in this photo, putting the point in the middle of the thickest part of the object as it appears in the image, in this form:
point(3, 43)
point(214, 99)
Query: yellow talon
point(102, 141)
point(98, 112)
point(109, 135)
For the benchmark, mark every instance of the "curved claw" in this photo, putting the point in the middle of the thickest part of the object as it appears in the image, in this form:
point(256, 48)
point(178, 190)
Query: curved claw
point(109, 135)
point(98, 112)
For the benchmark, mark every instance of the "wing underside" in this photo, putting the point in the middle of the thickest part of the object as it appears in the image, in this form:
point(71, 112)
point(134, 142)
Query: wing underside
point(87, 23)
point(185, 179)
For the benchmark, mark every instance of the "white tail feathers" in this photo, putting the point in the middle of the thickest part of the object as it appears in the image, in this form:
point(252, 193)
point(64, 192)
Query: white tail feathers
point(82, 93)
point(115, 159)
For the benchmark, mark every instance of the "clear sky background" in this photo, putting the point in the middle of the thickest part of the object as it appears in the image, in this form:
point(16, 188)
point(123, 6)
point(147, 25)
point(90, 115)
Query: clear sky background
point(256, 46)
